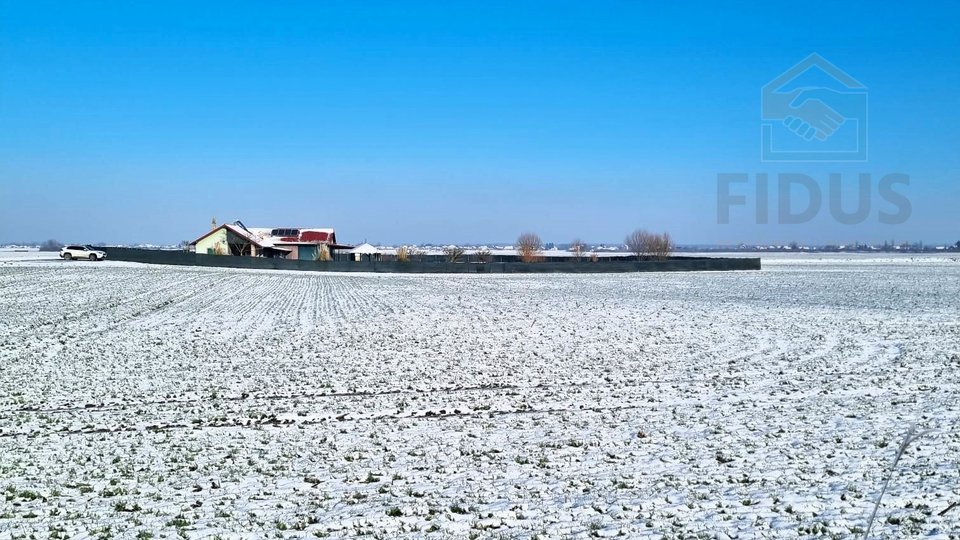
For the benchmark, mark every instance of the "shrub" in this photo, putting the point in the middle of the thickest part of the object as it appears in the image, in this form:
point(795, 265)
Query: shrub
point(529, 247)
point(403, 254)
point(483, 255)
point(638, 242)
point(453, 253)
point(662, 246)
point(322, 254)
point(646, 244)
point(577, 247)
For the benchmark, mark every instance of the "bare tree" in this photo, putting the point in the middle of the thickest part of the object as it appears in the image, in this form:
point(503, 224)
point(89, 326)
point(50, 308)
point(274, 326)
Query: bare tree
point(453, 253)
point(577, 247)
point(646, 244)
point(483, 255)
point(662, 246)
point(529, 247)
point(403, 254)
point(639, 242)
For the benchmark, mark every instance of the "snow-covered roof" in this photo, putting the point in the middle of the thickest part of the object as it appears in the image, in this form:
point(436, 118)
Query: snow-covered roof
point(365, 249)
point(241, 232)
point(235, 229)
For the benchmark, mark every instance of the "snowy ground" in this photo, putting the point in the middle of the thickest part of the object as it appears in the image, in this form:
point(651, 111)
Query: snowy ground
point(7, 256)
point(146, 401)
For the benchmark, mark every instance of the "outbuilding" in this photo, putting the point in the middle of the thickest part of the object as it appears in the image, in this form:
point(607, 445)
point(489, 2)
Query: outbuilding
point(365, 251)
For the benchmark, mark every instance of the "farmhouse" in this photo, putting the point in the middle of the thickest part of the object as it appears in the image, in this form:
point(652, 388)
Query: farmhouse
point(286, 243)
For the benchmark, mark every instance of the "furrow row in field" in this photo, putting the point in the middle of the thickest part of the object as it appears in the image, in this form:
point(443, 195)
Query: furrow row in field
point(111, 299)
point(309, 410)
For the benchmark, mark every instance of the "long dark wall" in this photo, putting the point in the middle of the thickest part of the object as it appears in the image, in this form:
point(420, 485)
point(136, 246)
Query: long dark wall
point(674, 264)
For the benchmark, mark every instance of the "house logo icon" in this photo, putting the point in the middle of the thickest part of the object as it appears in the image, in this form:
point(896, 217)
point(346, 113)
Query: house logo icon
point(814, 111)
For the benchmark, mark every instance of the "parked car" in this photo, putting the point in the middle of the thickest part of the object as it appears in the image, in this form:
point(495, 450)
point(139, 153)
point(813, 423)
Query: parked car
point(82, 252)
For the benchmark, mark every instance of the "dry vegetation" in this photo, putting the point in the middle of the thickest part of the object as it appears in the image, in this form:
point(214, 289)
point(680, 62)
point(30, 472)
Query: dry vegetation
point(322, 254)
point(577, 247)
point(530, 247)
point(483, 255)
point(453, 253)
point(645, 244)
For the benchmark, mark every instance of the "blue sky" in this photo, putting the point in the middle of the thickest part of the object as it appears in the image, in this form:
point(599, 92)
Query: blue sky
point(450, 121)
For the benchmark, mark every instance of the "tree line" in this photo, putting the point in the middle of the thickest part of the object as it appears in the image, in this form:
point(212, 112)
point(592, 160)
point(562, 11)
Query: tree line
point(643, 244)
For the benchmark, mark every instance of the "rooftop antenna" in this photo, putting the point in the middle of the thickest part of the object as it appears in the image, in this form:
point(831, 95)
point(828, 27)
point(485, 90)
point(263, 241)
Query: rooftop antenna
point(213, 223)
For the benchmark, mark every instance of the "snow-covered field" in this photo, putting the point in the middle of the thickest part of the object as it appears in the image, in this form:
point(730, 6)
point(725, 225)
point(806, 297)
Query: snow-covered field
point(147, 401)
point(24, 255)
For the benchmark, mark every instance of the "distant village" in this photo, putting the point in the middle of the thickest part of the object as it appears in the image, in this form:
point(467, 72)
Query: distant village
point(321, 243)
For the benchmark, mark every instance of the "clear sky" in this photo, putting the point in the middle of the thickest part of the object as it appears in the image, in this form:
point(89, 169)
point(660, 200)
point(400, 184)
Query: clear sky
point(394, 122)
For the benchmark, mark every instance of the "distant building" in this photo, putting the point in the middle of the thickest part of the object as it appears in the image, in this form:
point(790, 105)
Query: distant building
point(287, 243)
point(364, 251)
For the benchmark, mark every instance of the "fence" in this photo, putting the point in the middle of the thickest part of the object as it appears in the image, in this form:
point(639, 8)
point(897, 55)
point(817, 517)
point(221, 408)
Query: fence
point(673, 264)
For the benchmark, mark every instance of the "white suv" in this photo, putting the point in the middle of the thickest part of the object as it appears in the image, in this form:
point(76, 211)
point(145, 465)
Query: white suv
point(81, 252)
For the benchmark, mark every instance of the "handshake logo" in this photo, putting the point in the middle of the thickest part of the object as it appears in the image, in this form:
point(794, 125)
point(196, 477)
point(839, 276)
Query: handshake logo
point(814, 112)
